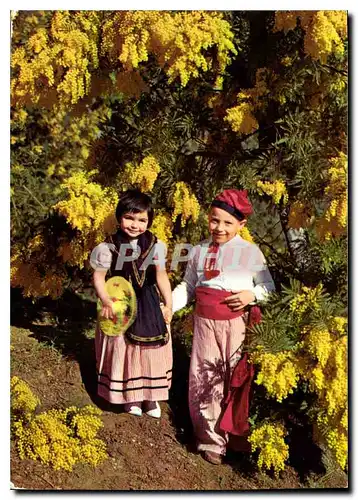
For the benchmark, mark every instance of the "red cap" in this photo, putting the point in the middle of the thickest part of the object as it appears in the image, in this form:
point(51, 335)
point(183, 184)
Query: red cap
point(235, 202)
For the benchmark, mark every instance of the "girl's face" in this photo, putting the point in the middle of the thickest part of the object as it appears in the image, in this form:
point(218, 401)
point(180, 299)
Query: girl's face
point(134, 224)
point(223, 227)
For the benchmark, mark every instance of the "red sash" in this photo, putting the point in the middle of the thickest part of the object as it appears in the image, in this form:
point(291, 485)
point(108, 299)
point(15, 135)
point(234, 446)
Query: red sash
point(209, 304)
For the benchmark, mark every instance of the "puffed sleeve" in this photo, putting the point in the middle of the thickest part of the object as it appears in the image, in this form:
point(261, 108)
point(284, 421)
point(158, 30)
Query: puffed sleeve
point(262, 278)
point(160, 254)
point(101, 257)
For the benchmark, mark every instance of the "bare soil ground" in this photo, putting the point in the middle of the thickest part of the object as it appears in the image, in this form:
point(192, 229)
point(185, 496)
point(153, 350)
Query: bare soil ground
point(56, 358)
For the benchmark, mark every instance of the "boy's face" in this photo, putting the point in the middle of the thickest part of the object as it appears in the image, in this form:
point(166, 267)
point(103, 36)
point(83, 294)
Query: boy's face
point(134, 224)
point(223, 227)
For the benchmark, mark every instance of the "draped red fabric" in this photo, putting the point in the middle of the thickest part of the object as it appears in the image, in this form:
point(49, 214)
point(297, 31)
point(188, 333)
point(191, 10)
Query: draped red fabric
point(236, 414)
point(254, 315)
point(235, 417)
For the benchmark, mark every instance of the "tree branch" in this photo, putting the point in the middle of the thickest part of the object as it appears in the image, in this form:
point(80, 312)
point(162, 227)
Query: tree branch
point(34, 197)
point(342, 72)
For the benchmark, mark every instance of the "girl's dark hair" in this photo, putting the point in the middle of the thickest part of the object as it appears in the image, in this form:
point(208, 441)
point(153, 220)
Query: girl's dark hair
point(135, 201)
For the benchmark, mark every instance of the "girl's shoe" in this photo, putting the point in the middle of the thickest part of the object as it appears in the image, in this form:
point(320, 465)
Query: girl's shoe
point(133, 409)
point(152, 409)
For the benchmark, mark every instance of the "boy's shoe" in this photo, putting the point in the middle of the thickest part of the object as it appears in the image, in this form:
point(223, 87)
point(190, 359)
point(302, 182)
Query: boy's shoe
point(212, 457)
point(133, 409)
point(152, 409)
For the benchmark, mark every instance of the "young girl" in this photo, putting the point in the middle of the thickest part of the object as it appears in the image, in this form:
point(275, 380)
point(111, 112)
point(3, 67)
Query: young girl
point(225, 274)
point(137, 366)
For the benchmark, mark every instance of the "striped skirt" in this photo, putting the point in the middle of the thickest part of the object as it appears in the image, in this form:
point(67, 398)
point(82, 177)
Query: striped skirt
point(130, 372)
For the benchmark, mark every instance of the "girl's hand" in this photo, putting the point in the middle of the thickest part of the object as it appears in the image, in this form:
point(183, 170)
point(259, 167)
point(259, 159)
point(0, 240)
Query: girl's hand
point(167, 314)
point(239, 300)
point(107, 309)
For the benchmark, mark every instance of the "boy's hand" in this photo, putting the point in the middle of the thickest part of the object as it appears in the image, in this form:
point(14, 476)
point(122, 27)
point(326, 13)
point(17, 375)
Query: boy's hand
point(107, 309)
point(167, 314)
point(239, 300)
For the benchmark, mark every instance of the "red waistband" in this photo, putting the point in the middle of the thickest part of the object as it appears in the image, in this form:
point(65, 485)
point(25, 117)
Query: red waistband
point(208, 304)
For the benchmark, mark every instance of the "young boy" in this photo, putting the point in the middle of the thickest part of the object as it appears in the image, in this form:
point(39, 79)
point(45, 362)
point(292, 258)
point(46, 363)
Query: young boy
point(225, 274)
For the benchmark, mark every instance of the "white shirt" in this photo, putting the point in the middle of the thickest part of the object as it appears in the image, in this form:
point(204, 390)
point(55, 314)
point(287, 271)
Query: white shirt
point(242, 266)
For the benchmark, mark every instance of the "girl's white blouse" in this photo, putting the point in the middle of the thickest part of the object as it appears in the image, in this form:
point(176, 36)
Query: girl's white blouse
point(101, 255)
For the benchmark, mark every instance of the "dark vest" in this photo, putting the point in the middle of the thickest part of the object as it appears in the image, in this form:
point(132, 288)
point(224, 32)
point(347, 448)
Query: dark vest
point(149, 328)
